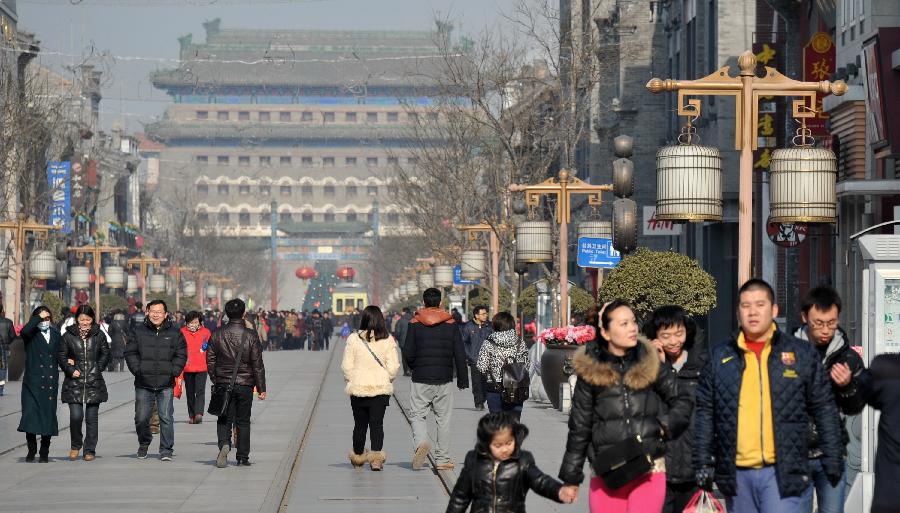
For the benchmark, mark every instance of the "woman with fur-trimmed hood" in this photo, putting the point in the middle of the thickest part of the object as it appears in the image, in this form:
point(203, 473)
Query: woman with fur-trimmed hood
point(622, 390)
point(370, 364)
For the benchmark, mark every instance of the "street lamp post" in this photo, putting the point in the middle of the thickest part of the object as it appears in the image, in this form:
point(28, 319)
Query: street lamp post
point(564, 188)
point(20, 228)
point(274, 256)
point(176, 271)
point(142, 262)
point(96, 251)
point(747, 89)
point(494, 247)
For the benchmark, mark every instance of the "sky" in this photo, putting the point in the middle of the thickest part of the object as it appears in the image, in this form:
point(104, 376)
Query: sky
point(130, 38)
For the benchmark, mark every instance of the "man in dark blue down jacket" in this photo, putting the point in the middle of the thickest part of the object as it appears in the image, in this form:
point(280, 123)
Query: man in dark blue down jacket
point(156, 353)
point(433, 349)
point(474, 333)
point(757, 394)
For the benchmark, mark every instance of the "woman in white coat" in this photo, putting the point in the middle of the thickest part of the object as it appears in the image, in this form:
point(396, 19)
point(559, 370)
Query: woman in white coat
point(370, 365)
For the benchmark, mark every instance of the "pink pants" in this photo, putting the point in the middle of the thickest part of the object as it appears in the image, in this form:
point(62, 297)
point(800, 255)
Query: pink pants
point(643, 495)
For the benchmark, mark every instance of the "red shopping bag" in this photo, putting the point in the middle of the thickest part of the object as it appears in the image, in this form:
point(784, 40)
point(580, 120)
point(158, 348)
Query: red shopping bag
point(704, 502)
point(179, 385)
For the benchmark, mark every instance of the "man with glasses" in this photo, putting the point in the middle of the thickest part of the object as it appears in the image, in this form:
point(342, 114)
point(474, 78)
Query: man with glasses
point(474, 333)
point(819, 311)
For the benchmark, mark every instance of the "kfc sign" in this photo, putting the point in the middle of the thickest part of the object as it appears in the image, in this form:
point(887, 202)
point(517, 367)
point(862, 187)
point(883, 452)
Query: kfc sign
point(787, 235)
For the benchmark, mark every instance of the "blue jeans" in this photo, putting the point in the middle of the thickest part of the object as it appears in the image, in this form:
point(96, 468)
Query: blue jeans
point(830, 498)
point(143, 406)
point(758, 493)
point(495, 403)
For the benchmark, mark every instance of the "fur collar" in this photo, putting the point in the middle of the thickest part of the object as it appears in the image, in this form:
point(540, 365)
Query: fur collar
point(639, 375)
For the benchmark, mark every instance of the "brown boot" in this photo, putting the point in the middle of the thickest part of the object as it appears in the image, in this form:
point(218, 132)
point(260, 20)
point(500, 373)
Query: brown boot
point(358, 460)
point(73, 454)
point(376, 460)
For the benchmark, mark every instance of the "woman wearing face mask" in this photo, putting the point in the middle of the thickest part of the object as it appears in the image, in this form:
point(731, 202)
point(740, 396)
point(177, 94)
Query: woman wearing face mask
point(40, 383)
point(83, 355)
point(197, 338)
point(625, 406)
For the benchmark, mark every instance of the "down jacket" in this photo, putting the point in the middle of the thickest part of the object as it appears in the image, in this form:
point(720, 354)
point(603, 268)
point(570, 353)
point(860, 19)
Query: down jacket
point(155, 354)
point(799, 391)
point(91, 357)
point(678, 450)
point(616, 398)
point(501, 491)
point(224, 350)
point(364, 375)
point(434, 347)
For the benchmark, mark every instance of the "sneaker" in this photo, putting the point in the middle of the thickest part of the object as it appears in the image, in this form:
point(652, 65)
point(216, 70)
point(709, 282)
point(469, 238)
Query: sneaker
point(243, 462)
point(420, 456)
point(142, 453)
point(479, 407)
point(445, 466)
point(165, 457)
point(222, 459)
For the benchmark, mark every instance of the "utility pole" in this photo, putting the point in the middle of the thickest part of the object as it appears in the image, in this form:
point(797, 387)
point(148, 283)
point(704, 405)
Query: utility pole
point(274, 256)
point(142, 262)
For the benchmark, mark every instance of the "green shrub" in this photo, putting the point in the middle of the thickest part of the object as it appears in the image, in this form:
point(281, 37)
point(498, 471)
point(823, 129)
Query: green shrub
point(650, 279)
point(579, 300)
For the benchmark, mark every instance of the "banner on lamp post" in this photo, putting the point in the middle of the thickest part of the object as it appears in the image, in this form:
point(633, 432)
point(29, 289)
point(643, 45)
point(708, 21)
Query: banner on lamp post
point(60, 184)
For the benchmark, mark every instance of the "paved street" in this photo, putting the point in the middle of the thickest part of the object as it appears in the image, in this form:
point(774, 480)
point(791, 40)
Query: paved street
point(117, 481)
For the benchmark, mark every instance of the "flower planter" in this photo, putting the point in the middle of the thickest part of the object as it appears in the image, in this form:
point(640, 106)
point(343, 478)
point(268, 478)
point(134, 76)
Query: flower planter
point(556, 367)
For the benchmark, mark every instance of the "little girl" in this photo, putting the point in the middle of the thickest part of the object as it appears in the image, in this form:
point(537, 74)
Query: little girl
point(498, 473)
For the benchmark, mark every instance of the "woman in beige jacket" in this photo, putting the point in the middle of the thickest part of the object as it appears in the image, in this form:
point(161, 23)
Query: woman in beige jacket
point(370, 365)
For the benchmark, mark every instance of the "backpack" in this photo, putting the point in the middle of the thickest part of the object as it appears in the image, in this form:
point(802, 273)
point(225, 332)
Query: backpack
point(515, 382)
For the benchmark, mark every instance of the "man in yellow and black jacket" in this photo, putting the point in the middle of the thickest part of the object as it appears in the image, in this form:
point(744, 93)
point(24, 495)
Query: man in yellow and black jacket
point(756, 396)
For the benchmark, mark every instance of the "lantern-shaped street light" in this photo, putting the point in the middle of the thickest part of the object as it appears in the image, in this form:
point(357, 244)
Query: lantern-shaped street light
point(688, 180)
point(443, 276)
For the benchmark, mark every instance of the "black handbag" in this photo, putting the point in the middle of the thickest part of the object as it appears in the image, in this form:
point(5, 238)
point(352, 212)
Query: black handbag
point(221, 393)
point(623, 462)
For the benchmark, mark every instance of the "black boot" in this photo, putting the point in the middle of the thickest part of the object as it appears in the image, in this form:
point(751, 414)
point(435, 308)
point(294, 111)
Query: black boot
point(45, 450)
point(32, 447)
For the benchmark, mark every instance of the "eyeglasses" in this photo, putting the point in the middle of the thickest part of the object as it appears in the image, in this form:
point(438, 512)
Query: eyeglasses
point(832, 324)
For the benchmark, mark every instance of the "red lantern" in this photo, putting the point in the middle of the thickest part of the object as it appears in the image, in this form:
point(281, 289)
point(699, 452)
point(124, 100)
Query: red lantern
point(346, 273)
point(305, 273)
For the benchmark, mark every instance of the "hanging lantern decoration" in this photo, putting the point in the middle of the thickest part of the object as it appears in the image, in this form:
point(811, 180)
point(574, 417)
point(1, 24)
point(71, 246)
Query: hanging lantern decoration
point(534, 242)
point(211, 291)
point(42, 265)
point(79, 277)
point(4, 265)
point(115, 276)
point(595, 229)
point(131, 284)
point(802, 181)
point(404, 292)
point(426, 280)
point(62, 271)
point(346, 273)
point(305, 273)
point(227, 294)
point(189, 288)
point(157, 283)
point(412, 287)
point(473, 264)
point(688, 180)
point(443, 275)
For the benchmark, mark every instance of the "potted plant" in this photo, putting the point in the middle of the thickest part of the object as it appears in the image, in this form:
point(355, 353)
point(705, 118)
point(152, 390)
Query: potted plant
point(556, 361)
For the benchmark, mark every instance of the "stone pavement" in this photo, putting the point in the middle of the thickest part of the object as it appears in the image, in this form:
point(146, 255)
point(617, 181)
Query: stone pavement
point(547, 441)
point(118, 481)
point(326, 482)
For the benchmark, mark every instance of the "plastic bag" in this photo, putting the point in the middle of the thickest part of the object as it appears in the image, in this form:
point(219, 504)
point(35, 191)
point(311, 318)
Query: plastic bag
point(179, 385)
point(345, 331)
point(704, 502)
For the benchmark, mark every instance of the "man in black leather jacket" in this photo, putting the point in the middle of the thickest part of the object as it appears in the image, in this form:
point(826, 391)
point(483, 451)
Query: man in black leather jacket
point(156, 353)
point(7, 334)
point(236, 344)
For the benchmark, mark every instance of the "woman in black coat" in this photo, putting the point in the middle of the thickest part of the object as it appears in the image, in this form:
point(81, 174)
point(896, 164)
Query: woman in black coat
point(623, 391)
point(682, 345)
point(40, 382)
point(83, 355)
point(881, 385)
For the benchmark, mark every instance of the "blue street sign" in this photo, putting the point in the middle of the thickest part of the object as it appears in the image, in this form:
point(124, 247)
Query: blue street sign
point(597, 252)
point(457, 277)
point(58, 180)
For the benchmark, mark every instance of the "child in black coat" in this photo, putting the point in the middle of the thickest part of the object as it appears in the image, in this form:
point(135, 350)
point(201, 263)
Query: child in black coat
point(498, 473)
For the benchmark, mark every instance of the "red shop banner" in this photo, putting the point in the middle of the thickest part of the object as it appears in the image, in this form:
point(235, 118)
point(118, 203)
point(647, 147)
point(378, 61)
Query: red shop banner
point(818, 64)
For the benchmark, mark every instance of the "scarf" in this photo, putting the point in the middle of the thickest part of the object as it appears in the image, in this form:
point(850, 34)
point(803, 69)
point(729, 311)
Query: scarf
point(500, 348)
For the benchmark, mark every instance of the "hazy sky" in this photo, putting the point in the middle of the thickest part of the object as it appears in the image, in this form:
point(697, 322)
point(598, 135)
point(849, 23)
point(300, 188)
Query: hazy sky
point(137, 33)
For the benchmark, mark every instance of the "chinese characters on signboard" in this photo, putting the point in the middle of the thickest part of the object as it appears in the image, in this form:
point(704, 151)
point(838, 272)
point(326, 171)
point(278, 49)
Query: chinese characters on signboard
point(58, 179)
point(818, 65)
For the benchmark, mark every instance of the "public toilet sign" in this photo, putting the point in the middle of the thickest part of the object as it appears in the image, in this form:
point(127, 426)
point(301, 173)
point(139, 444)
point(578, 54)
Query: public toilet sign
point(597, 252)
point(457, 277)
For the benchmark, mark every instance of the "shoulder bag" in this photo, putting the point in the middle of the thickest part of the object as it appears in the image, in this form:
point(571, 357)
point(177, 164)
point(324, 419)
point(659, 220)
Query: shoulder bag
point(623, 462)
point(221, 393)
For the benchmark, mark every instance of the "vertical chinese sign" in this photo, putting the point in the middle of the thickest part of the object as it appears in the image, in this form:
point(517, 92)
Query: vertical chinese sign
point(58, 179)
point(818, 64)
